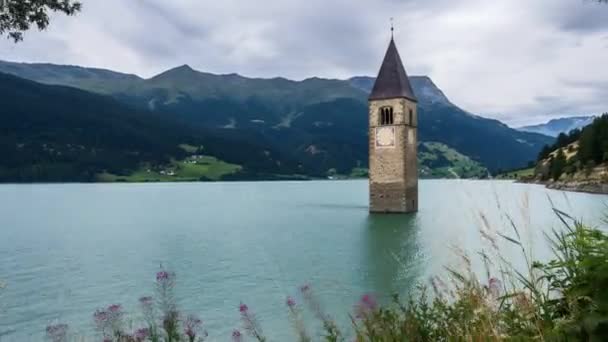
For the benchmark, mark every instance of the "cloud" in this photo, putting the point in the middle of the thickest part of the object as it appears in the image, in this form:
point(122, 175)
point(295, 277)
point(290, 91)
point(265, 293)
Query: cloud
point(519, 61)
point(584, 16)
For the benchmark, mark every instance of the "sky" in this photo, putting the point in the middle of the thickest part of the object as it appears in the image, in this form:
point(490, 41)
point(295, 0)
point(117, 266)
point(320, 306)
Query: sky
point(519, 61)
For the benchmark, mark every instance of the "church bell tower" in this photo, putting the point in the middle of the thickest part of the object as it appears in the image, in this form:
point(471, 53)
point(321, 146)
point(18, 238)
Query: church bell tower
point(393, 139)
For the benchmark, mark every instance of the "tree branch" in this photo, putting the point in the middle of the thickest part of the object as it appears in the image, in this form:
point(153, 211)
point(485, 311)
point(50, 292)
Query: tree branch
point(17, 16)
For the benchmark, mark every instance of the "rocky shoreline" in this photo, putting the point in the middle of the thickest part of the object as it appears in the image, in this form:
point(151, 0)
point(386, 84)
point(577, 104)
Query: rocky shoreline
point(592, 187)
point(589, 187)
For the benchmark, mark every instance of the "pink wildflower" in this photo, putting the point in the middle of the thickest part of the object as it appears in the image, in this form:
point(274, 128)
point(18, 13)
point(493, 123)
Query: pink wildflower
point(165, 283)
point(291, 303)
point(367, 304)
point(57, 332)
point(236, 336)
point(250, 323)
point(114, 308)
point(162, 275)
point(314, 304)
point(109, 320)
point(296, 320)
point(101, 318)
point(369, 301)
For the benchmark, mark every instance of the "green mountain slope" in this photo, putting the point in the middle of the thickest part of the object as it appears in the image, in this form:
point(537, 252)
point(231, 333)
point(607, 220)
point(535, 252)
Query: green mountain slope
point(57, 133)
point(438, 160)
point(91, 79)
point(320, 123)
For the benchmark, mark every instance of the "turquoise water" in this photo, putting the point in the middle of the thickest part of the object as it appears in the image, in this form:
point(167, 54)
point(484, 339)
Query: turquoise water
point(68, 249)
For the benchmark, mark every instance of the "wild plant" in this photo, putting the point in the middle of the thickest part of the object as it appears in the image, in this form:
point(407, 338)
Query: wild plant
point(251, 323)
point(562, 300)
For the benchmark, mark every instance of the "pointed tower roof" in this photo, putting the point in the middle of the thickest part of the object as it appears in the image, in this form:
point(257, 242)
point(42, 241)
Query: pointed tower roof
point(392, 81)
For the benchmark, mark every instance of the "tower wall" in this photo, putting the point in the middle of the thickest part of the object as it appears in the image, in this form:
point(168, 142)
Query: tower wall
point(393, 170)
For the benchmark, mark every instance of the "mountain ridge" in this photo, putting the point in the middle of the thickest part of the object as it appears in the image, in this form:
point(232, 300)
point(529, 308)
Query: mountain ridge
point(556, 126)
point(281, 110)
point(57, 133)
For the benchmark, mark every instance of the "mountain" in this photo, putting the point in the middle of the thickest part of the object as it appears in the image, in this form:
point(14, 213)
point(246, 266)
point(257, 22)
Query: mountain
point(58, 133)
point(53, 133)
point(426, 91)
point(488, 141)
point(556, 126)
point(321, 123)
point(91, 79)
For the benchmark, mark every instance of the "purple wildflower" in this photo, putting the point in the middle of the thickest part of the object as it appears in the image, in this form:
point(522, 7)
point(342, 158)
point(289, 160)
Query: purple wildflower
point(162, 276)
point(250, 322)
point(142, 334)
point(109, 321)
point(291, 303)
point(165, 283)
point(296, 320)
point(313, 303)
point(236, 336)
point(369, 301)
point(57, 332)
point(101, 318)
point(114, 308)
point(315, 306)
point(115, 314)
point(192, 325)
point(100, 315)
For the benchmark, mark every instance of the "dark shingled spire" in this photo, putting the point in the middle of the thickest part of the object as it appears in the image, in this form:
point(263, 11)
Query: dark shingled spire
point(392, 81)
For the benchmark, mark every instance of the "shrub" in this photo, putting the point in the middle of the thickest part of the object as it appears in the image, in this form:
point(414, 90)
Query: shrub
point(564, 299)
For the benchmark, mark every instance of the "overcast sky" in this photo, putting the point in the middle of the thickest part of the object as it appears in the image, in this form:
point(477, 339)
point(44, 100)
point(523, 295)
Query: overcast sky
point(520, 61)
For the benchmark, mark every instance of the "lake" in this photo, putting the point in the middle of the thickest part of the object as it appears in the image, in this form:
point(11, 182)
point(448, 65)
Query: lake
point(68, 249)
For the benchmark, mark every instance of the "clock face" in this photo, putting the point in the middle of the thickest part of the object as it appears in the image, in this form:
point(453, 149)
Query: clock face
point(385, 136)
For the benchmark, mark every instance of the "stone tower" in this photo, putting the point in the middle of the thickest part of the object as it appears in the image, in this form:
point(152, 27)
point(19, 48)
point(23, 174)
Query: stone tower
point(393, 168)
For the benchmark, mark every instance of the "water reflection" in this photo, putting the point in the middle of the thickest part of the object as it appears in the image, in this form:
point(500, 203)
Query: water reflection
point(393, 255)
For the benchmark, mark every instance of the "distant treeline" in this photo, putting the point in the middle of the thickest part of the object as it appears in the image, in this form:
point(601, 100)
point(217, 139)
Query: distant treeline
point(592, 149)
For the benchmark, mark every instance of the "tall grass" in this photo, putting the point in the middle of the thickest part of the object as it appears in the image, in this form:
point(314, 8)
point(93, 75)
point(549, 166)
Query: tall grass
point(565, 299)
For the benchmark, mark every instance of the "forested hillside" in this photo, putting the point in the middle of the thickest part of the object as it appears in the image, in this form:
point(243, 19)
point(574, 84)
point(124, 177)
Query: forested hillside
point(320, 123)
point(581, 150)
point(56, 133)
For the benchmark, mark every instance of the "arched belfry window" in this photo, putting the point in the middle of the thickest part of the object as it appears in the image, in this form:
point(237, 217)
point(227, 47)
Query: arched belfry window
point(411, 117)
point(386, 116)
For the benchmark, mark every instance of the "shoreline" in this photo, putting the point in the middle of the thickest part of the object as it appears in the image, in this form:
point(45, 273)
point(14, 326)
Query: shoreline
point(261, 180)
point(590, 187)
